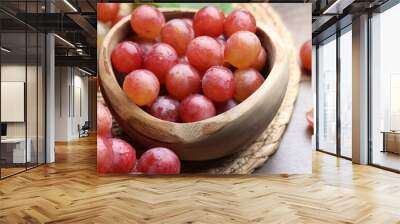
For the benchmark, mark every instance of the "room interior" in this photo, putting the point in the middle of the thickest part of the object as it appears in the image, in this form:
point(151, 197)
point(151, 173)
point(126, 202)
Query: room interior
point(22, 101)
point(31, 93)
point(356, 158)
point(335, 60)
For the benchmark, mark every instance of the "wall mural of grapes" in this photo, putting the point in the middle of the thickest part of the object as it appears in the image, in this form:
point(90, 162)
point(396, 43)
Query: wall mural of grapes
point(183, 71)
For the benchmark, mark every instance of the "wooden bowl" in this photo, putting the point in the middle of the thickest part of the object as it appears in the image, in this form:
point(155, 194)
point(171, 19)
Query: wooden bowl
point(203, 140)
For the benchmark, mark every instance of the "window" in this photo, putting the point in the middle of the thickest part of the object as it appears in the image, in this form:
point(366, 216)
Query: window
point(346, 92)
point(327, 96)
point(385, 89)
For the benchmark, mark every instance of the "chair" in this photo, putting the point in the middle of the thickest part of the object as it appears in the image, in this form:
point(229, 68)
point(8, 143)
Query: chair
point(84, 130)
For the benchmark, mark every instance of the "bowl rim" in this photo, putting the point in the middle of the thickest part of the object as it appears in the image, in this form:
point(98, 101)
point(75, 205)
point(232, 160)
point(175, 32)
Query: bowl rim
point(175, 132)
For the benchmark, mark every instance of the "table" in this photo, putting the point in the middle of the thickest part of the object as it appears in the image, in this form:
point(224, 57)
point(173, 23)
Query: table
point(294, 155)
point(391, 141)
point(15, 148)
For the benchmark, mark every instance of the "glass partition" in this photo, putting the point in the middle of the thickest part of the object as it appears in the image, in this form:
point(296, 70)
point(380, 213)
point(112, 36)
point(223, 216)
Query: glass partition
point(22, 101)
point(32, 98)
point(41, 97)
point(327, 96)
point(14, 153)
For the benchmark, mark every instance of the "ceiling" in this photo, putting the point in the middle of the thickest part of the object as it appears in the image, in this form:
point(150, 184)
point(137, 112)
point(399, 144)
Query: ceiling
point(330, 15)
point(74, 21)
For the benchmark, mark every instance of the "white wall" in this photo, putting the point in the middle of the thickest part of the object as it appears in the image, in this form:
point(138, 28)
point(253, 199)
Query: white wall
point(61, 103)
point(33, 127)
point(16, 73)
point(70, 84)
point(81, 89)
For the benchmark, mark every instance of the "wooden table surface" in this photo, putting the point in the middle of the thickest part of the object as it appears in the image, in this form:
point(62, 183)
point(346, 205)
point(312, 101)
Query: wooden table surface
point(295, 152)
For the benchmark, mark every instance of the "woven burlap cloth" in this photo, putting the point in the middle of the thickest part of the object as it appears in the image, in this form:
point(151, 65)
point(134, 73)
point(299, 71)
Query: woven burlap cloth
point(248, 158)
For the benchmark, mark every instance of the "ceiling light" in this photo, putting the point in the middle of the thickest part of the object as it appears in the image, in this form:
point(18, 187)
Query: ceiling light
point(5, 50)
point(65, 41)
point(337, 7)
point(70, 5)
point(84, 71)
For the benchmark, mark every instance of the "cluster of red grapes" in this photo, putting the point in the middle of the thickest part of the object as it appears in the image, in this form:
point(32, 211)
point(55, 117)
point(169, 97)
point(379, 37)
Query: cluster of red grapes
point(187, 70)
point(115, 155)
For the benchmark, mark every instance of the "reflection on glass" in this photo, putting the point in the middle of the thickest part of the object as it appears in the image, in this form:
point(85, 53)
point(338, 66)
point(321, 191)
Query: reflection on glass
point(327, 96)
point(41, 98)
point(346, 94)
point(14, 153)
point(22, 89)
point(31, 97)
point(385, 114)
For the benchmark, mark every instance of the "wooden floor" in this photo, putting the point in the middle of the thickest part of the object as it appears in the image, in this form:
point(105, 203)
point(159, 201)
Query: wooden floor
point(70, 191)
point(11, 170)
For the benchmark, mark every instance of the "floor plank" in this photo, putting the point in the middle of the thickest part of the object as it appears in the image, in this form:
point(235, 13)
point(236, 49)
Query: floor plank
point(70, 191)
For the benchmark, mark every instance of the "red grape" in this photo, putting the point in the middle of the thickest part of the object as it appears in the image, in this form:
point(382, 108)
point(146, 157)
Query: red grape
point(204, 52)
point(310, 118)
point(182, 80)
point(208, 21)
point(242, 49)
point(218, 84)
point(147, 21)
point(259, 64)
point(116, 20)
point(306, 55)
point(178, 34)
point(225, 106)
point(196, 107)
point(188, 21)
point(159, 161)
point(222, 42)
point(104, 121)
point(104, 155)
point(126, 57)
point(144, 44)
point(183, 60)
point(124, 156)
point(159, 59)
point(239, 20)
point(247, 82)
point(142, 87)
point(165, 108)
point(106, 12)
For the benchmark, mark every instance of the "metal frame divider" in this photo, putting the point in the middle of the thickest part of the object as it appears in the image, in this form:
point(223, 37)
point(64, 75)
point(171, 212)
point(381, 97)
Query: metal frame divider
point(369, 96)
point(338, 74)
point(26, 88)
point(316, 96)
